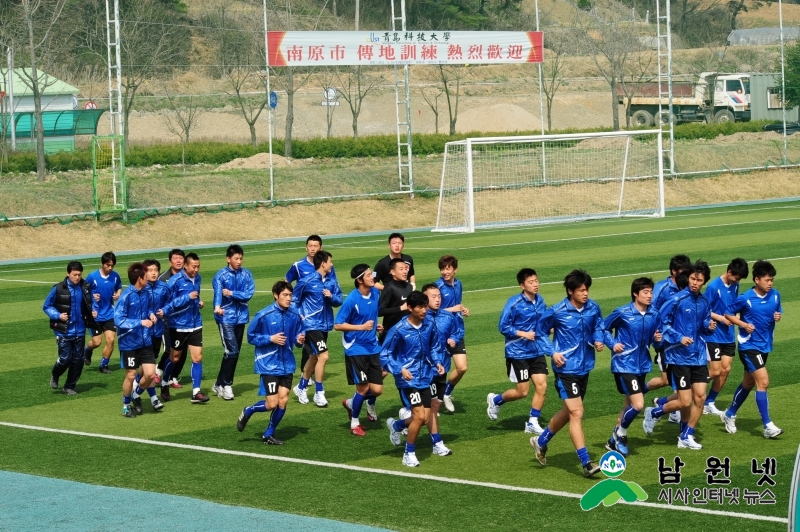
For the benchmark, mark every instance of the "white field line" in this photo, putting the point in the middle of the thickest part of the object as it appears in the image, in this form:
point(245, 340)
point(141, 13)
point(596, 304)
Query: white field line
point(359, 244)
point(348, 467)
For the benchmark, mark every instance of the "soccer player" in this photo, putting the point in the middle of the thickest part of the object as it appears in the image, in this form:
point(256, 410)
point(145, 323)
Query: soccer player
point(527, 343)
point(635, 329)
point(69, 307)
point(233, 288)
point(450, 289)
point(685, 320)
point(159, 297)
point(357, 319)
point(394, 296)
point(578, 325)
point(721, 344)
point(273, 331)
point(450, 332)
point(383, 269)
point(315, 297)
point(176, 259)
point(134, 318)
point(105, 286)
point(662, 291)
point(186, 323)
point(758, 309)
point(305, 266)
point(413, 354)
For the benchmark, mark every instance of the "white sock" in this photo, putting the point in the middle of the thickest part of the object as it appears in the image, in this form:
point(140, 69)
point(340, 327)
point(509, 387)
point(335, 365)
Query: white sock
point(354, 423)
point(533, 420)
point(195, 391)
point(622, 432)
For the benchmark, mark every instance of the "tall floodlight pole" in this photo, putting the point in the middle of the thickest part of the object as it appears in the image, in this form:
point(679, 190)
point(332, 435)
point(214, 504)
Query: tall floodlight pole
point(783, 81)
point(11, 98)
point(269, 112)
point(358, 13)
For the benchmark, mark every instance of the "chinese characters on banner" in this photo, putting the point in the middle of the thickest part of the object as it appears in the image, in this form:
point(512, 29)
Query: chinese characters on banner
point(362, 48)
point(718, 472)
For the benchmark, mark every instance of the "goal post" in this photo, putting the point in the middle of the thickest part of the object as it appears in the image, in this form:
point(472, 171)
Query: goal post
point(526, 180)
point(108, 175)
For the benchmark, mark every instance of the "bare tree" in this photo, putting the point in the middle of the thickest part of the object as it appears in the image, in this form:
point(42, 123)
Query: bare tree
point(431, 96)
point(326, 80)
point(181, 116)
point(34, 27)
point(450, 78)
point(354, 87)
point(552, 75)
point(638, 72)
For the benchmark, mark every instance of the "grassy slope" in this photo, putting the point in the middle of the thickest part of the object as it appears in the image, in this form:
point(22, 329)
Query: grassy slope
point(494, 452)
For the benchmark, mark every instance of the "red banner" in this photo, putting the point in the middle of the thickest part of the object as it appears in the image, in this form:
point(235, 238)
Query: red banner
point(360, 48)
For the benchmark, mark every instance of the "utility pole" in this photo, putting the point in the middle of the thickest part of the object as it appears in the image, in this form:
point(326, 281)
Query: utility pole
point(11, 98)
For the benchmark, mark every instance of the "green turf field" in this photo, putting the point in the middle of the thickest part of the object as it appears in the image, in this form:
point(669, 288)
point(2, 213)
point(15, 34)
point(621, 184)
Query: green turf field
point(315, 477)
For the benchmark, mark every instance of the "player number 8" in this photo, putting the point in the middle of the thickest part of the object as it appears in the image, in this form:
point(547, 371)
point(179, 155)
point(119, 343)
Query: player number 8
point(634, 386)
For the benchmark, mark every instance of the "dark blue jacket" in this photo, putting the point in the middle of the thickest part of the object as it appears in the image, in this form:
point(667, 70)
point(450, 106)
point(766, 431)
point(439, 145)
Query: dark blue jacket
point(240, 282)
point(575, 335)
point(522, 314)
point(635, 331)
point(132, 307)
point(417, 349)
point(685, 314)
point(271, 358)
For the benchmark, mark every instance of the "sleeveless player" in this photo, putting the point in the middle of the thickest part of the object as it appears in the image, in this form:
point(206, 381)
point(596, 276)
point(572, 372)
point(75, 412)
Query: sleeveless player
point(105, 286)
point(451, 291)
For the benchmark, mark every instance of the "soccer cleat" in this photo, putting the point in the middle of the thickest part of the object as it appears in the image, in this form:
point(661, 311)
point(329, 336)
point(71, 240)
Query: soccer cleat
point(649, 422)
point(590, 469)
point(492, 409)
point(619, 443)
point(319, 399)
point(440, 449)
point(219, 390)
point(730, 422)
point(301, 394)
point(358, 431)
point(127, 411)
point(539, 450)
point(772, 431)
point(271, 440)
point(404, 413)
point(157, 376)
point(533, 428)
point(104, 370)
point(228, 393)
point(174, 383)
point(69, 391)
point(372, 412)
point(674, 417)
point(346, 405)
point(87, 358)
point(394, 436)
point(199, 397)
point(157, 405)
point(448, 403)
point(53, 383)
point(241, 423)
point(711, 409)
point(410, 460)
point(137, 405)
point(165, 394)
point(689, 443)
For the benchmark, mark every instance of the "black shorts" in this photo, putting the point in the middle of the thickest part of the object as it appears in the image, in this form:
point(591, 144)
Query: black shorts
point(458, 349)
point(658, 360)
point(181, 339)
point(753, 360)
point(316, 342)
point(571, 386)
point(523, 369)
point(437, 387)
point(363, 369)
point(137, 357)
point(157, 343)
point(414, 397)
point(273, 382)
point(629, 383)
point(717, 351)
point(682, 377)
point(101, 326)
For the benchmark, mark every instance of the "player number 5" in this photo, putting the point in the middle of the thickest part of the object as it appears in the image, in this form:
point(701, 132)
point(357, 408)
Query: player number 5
point(575, 388)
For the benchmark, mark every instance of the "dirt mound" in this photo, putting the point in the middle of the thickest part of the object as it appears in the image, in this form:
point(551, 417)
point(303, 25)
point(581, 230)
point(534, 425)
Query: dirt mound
point(259, 161)
point(603, 142)
point(737, 138)
point(497, 117)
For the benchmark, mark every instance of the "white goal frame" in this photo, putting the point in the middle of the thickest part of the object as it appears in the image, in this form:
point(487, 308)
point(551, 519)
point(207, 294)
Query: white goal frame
point(646, 169)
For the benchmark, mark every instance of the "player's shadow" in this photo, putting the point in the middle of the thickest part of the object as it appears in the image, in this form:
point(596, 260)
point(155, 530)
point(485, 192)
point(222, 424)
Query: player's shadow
point(751, 425)
point(515, 424)
point(239, 389)
point(286, 434)
point(565, 461)
point(86, 387)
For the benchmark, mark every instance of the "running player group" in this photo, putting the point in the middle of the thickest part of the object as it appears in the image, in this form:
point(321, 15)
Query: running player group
point(422, 338)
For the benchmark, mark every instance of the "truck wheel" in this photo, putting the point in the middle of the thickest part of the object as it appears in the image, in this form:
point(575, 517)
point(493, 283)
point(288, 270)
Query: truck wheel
point(642, 118)
point(664, 118)
point(723, 115)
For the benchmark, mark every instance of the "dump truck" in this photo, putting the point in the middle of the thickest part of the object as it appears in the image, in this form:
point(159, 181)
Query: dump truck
point(714, 98)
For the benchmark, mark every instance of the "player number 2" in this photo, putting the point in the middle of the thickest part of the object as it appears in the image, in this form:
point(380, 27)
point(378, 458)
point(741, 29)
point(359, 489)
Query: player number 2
point(272, 387)
point(575, 388)
point(415, 398)
point(523, 375)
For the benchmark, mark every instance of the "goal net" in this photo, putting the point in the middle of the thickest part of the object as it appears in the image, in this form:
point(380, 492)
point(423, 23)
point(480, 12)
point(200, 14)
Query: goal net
point(508, 181)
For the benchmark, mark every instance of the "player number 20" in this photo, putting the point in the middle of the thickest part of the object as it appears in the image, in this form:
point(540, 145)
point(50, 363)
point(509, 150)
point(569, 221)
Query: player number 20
point(415, 398)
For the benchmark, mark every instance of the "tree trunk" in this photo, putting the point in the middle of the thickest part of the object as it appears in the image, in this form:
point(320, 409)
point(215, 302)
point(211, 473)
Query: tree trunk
point(614, 103)
point(41, 165)
point(355, 124)
point(127, 105)
point(287, 141)
point(253, 133)
point(549, 114)
point(183, 155)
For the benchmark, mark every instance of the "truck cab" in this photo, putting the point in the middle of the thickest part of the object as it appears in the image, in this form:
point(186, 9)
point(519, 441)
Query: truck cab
point(731, 101)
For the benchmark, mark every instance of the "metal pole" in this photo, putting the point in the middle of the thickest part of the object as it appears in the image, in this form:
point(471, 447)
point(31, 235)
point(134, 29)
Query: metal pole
point(269, 113)
point(358, 13)
point(11, 98)
point(783, 81)
point(541, 101)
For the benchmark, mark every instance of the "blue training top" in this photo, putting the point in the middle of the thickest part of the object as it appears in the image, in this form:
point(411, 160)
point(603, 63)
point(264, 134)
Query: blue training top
point(720, 296)
point(358, 309)
point(758, 311)
point(106, 287)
